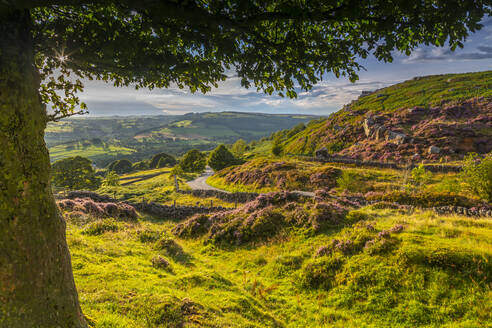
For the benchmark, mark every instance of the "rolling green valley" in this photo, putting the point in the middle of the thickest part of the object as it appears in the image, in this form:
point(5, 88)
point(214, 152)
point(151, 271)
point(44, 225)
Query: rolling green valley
point(105, 139)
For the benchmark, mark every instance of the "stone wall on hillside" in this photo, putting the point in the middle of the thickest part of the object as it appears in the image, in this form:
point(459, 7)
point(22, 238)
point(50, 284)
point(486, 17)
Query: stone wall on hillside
point(240, 197)
point(322, 155)
point(158, 210)
point(175, 212)
point(182, 212)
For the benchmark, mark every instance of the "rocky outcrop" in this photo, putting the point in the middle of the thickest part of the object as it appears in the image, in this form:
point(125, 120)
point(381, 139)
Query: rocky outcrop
point(374, 129)
point(434, 150)
point(446, 132)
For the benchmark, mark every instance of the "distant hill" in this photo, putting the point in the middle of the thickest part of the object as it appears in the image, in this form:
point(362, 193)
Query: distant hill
point(225, 126)
point(104, 139)
point(432, 117)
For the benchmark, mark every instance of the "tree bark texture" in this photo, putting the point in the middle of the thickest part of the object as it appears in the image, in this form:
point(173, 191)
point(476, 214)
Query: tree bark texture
point(37, 288)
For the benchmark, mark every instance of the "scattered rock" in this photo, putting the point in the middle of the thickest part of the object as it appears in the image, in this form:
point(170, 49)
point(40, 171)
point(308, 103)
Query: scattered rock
point(434, 150)
point(396, 137)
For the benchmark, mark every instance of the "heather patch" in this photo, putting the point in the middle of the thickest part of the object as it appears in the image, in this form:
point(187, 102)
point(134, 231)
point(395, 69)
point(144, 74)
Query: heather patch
point(267, 217)
point(424, 199)
point(86, 206)
point(285, 175)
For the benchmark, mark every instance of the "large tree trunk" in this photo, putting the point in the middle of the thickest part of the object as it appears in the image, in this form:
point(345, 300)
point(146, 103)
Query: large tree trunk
point(36, 281)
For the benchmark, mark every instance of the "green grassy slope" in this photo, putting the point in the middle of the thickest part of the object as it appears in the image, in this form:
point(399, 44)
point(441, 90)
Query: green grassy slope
point(436, 273)
point(156, 185)
point(425, 92)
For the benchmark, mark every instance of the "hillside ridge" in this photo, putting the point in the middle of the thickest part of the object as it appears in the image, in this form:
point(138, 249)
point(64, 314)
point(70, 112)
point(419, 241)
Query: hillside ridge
point(434, 117)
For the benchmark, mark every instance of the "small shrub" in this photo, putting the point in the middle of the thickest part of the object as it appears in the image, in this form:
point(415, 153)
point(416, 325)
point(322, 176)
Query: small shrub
point(350, 181)
point(148, 236)
point(320, 272)
point(168, 245)
point(112, 179)
point(477, 175)
point(465, 263)
point(159, 262)
point(277, 149)
point(120, 166)
point(99, 227)
point(195, 226)
point(221, 158)
point(285, 264)
point(380, 245)
point(162, 160)
point(355, 216)
point(420, 176)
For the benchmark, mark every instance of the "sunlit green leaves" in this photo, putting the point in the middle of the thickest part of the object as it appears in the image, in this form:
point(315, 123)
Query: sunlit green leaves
point(277, 46)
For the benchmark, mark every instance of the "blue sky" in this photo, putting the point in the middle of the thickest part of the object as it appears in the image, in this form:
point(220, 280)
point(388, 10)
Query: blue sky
point(326, 97)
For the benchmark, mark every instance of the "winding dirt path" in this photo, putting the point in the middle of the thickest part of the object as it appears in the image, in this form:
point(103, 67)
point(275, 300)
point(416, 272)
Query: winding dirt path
point(200, 183)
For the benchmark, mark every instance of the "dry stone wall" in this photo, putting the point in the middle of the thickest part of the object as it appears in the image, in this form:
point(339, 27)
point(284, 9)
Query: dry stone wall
point(158, 210)
point(240, 197)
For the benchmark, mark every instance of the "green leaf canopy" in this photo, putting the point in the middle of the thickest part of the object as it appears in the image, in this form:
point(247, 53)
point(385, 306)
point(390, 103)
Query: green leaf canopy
point(274, 45)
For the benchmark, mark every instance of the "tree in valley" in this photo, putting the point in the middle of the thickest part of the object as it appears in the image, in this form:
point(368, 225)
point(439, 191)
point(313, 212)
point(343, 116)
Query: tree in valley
point(47, 47)
point(239, 148)
point(193, 161)
point(162, 160)
point(221, 158)
point(121, 166)
point(140, 166)
point(277, 149)
point(75, 173)
point(111, 180)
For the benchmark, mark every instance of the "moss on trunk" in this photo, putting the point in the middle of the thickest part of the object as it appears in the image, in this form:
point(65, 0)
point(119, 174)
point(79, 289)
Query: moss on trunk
point(36, 281)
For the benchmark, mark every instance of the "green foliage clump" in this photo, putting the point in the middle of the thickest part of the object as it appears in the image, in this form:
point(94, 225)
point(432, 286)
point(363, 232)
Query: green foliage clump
point(170, 246)
point(283, 265)
point(75, 173)
point(355, 216)
point(193, 161)
point(140, 166)
point(148, 236)
point(239, 148)
point(162, 160)
point(453, 260)
point(425, 199)
point(120, 166)
point(100, 226)
point(420, 176)
point(159, 262)
point(277, 149)
point(351, 181)
point(111, 180)
point(477, 175)
point(221, 158)
point(296, 129)
point(336, 146)
point(320, 272)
